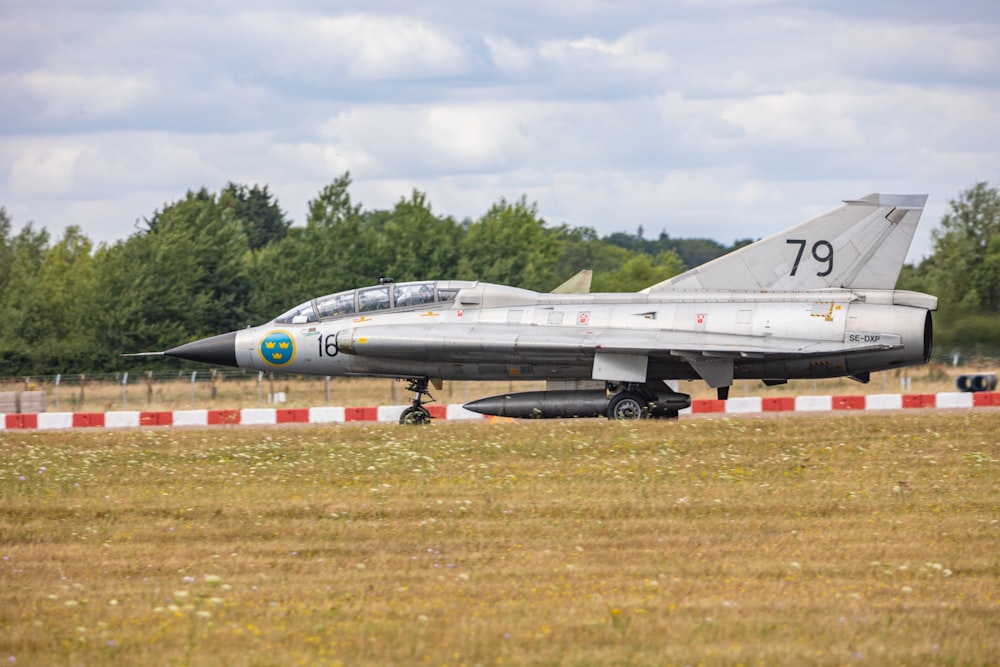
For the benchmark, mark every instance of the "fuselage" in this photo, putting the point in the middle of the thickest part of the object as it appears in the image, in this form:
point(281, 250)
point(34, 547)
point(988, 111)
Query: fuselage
point(473, 330)
point(813, 301)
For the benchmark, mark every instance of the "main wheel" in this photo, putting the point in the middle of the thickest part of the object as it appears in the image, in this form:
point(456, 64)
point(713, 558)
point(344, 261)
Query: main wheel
point(627, 405)
point(415, 416)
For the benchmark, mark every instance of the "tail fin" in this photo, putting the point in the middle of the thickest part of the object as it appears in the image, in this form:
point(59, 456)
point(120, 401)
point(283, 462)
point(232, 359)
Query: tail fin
point(861, 245)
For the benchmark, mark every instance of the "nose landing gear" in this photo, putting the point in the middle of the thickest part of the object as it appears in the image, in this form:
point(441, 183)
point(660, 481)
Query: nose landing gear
point(416, 413)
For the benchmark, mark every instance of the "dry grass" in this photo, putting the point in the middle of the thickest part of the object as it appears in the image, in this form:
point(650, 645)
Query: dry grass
point(835, 540)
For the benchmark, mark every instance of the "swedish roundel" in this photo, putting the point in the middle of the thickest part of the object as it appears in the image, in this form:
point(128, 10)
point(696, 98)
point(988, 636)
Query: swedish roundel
point(277, 348)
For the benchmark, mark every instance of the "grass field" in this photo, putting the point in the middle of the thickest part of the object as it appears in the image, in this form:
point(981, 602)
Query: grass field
point(854, 539)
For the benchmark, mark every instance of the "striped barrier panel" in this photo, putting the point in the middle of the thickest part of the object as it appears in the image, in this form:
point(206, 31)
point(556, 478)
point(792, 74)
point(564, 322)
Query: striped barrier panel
point(391, 413)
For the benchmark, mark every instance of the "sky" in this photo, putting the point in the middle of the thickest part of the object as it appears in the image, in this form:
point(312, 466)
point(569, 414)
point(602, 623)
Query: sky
point(725, 119)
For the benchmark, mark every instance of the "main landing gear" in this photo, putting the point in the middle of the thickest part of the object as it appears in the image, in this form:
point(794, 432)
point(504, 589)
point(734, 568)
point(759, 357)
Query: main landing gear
point(416, 413)
point(632, 400)
point(629, 405)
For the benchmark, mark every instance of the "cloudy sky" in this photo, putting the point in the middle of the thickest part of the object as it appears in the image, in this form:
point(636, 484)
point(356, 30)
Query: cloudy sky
point(718, 118)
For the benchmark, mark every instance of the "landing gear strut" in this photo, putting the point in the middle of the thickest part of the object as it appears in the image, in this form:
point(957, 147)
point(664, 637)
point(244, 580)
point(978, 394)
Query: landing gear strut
point(417, 414)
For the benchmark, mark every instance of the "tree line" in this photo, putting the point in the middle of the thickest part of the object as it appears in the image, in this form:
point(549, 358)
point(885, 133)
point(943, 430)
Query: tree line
point(214, 262)
point(963, 271)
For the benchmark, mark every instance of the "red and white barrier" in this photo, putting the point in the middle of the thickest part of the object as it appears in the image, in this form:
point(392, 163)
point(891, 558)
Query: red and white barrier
point(390, 413)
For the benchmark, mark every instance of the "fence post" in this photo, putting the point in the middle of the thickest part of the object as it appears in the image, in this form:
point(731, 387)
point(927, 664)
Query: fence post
point(58, 377)
point(194, 376)
point(124, 393)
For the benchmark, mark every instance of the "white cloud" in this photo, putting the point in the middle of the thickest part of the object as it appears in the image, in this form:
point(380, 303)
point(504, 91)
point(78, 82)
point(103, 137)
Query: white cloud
point(507, 56)
point(302, 46)
point(629, 54)
point(105, 166)
point(914, 52)
point(37, 172)
point(72, 96)
point(474, 136)
point(796, 120)
point(720, 121)
point(435, 137)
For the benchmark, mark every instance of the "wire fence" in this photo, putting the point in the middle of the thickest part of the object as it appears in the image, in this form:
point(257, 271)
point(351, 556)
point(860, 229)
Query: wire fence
point(235, 388)
point(125, 390)
point(212, 388)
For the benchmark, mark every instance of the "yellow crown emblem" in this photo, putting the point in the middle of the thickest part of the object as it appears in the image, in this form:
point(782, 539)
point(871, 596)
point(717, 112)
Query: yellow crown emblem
point(277, 348)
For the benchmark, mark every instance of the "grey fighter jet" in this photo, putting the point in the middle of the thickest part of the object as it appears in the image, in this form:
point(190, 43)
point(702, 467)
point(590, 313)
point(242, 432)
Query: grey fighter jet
point(815, 301)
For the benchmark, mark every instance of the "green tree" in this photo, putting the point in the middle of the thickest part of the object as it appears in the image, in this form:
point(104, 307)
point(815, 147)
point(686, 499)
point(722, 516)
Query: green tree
point(333, 205)
point(963, 261)
point(616, 269)
point(138, 306)
point(639, 272)
point(985, 278)
point(22, 323)
point(209, 234)
point(281, 276)
point(579, 248)
point(6, 253)
point(337, 228)
point(692, 252)
point(336, 250)
point(65, 288)
point(963, 271)
point(414, 244)
point(257, 212)
point(182, 278)
point(43, 329)
point(511, 245)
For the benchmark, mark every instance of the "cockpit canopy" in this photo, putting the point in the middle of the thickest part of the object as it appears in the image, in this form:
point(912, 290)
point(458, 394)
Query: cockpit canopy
point(367, 299)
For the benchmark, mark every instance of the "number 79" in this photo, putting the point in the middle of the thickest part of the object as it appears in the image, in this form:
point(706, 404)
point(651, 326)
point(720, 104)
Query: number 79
point(822, 252)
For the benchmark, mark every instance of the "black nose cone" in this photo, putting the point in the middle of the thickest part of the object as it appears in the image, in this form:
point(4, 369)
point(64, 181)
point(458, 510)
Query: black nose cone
point(218, 350)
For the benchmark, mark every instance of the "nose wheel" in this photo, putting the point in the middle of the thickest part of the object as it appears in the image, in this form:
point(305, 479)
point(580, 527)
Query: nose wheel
point(415, 416)
point(416, 413)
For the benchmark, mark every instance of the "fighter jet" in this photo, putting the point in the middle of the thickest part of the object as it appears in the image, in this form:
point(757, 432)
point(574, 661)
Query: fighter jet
point(815, 301)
